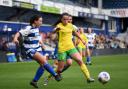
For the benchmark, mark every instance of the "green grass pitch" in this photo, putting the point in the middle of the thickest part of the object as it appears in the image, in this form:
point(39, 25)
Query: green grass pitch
point(18, 75)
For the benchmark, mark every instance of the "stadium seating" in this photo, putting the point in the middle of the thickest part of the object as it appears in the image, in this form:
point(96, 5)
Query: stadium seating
point(6, 12)
point(115, 4)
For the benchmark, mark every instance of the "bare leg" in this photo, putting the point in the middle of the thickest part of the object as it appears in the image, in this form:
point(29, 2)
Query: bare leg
point(77, 57)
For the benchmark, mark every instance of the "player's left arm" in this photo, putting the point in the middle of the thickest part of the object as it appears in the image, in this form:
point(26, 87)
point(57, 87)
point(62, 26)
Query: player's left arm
point(77, 41)
point(77, 35)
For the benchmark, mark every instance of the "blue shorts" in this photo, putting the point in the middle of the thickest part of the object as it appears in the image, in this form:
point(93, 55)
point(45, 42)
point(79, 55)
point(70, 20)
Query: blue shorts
point(31, 52)
point(91, 47)
point(55, 55)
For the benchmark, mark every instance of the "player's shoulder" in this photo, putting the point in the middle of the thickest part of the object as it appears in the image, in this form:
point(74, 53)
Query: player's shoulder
point(28, 27)
point(94, 34)
point(59, 24)
point(75, 27)
point(70, 24)
point(85, 34)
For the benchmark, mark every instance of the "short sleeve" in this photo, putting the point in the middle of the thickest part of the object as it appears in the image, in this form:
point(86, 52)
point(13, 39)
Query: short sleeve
point(75, 28)
point(25, 31)
point(94, 35)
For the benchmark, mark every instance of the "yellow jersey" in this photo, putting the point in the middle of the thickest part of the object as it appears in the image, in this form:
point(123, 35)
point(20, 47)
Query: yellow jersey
point(65, 37)
point(80, 44)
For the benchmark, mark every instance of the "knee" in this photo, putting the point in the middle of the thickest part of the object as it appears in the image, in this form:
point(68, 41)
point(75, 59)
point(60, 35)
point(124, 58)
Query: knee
point(69, 62)
point(79, 61)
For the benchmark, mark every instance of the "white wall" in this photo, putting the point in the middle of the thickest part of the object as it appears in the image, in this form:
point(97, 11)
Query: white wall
point(6, 3)
point(116, 12)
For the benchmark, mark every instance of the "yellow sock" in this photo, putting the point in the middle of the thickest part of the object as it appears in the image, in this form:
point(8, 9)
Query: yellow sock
point(49, 76)
point(85, 71)
point(83, 58)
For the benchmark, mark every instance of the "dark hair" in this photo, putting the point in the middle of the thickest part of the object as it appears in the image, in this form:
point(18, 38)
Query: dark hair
point(61, 18)
point(34, 18)
point(69, 15)
point(72, 18)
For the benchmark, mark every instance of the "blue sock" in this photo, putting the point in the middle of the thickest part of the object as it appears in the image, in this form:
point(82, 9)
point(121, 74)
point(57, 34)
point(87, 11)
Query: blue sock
point(39, 73)
point(50, 69)
point(88, 59)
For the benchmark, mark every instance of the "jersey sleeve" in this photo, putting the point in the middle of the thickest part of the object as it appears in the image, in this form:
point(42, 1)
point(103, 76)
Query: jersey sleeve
point(25, 31)
point(75, 28)
point(94, 35)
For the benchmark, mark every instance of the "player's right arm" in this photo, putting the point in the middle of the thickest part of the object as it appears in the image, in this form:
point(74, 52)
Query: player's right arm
point(23, 32)
point(15, 39)
point(56, 29)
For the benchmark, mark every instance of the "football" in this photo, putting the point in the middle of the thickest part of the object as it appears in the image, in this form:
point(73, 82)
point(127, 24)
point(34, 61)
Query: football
point(103, 77)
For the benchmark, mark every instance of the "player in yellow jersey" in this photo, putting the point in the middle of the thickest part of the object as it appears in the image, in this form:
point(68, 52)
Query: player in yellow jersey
point(68, 59)
point(66, 46)
point(80, 46)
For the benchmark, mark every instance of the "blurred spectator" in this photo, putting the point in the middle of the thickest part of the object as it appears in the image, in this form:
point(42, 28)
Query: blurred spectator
point(102, 42)
point(122, 44)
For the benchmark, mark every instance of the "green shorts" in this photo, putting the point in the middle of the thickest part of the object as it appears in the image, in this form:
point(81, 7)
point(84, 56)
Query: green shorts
point(64, 55)
point(80, 49)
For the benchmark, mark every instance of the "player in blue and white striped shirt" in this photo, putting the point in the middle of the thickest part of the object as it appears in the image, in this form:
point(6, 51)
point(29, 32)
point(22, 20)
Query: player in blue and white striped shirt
point(33, 49)
point(91, 43)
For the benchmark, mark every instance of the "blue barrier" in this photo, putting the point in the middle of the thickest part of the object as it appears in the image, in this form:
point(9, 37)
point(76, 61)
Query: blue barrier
point(17, 26)
point(11, 57)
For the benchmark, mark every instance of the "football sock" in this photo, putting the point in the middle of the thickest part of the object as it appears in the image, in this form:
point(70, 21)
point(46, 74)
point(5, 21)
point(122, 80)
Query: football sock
point(88, 59)
point(39, 73)
point(85, 71)
point(50, 69)
point(49, 75)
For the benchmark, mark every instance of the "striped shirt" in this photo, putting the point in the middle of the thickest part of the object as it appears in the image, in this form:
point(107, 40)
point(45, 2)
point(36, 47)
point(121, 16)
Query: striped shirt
point(31, 38)
point(91, 39)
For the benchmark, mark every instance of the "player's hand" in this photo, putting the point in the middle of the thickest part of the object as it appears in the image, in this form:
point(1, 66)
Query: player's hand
point(16, 41)
point(84, 42)
point(57, 28)
point(43, 47)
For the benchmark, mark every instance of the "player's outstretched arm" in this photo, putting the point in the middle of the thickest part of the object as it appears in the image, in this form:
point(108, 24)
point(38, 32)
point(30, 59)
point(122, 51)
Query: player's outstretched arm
point(56, 29)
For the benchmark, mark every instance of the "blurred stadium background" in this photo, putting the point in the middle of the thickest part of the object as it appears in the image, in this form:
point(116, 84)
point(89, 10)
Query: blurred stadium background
point(108, 18)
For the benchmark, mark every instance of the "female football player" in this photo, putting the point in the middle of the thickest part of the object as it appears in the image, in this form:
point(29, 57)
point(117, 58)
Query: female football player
point(33, 49)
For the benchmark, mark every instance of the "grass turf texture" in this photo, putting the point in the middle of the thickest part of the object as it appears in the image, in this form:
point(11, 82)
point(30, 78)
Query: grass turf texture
point(18, 75)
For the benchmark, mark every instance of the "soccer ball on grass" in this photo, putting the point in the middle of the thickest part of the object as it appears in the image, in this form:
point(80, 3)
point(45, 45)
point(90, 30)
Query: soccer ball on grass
point(103, 77)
